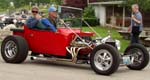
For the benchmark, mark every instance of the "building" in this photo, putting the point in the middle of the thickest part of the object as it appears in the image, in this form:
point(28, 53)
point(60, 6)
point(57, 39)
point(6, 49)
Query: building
point(99, 5)
point(103, 9)
point(75, 3)
point(109, 11)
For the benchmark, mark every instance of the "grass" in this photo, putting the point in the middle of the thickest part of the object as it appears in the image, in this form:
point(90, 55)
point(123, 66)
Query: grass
point(103, 32)
point(2, 11)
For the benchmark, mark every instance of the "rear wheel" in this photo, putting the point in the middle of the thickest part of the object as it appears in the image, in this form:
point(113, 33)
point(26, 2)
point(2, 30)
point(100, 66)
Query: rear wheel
point(14, 49)
point(140, 56)
point(105, 59)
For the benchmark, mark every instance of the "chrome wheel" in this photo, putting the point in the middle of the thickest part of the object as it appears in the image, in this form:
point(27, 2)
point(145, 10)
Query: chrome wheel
point(137, 55)
point(10, 49)
point(103, 60)
point(14, 49)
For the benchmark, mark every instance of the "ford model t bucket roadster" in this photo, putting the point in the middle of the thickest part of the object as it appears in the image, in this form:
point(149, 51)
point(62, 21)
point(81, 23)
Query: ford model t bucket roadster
point(74, 45)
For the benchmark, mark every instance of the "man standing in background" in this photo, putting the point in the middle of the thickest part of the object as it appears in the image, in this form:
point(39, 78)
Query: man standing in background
point(136, 26)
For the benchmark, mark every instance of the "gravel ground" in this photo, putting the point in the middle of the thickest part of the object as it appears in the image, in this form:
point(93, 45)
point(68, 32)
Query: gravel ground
point(44, 70)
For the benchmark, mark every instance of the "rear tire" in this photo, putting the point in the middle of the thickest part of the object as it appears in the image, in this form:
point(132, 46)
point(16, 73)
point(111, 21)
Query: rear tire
point(140, 53)
point(105, 59)
point(14, 49)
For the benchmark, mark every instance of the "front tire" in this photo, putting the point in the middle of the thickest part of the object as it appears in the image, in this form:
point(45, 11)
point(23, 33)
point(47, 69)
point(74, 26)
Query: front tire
point(140, 54)
point(14, 49)
point(105, 59)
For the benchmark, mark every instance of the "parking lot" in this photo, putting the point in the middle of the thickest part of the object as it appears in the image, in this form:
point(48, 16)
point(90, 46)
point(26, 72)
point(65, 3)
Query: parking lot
point(44, 70)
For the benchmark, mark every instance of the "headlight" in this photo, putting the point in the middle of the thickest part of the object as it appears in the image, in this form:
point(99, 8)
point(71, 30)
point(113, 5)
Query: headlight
point(23, 21)
point(104, 40)
point(109, 40)
point(3, 19)
point(118, 44)
point(15, 21)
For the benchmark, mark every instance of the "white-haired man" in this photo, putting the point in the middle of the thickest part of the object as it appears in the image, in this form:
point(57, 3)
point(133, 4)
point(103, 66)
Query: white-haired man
point(136, 26)
point(50, 22)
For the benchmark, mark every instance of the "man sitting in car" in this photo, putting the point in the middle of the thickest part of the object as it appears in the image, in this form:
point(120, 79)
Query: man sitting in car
point(50, 22)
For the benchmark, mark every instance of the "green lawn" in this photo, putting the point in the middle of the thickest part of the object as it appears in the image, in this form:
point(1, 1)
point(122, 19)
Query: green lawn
point(103, 32)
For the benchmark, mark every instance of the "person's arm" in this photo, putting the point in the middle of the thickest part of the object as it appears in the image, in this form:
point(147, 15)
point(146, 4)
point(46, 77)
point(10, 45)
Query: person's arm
point(32, 22)
point(138, 19)
point(130, 27)
point(47, 23)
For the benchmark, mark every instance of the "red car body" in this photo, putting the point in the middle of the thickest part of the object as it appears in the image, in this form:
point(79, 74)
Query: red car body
point(48, 42)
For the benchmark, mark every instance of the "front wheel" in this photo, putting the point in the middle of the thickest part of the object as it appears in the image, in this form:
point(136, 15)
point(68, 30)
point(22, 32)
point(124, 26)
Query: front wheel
point(140, 56)
point(105, 59)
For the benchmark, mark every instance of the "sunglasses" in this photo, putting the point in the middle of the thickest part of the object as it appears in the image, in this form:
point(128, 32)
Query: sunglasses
point(34, 11)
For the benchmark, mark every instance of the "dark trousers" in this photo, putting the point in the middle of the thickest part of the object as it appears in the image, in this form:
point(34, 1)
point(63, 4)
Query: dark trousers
point(135, 38)
point(135, 34)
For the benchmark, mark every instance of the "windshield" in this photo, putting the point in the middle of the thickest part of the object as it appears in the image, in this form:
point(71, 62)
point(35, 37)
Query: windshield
point(71, 15)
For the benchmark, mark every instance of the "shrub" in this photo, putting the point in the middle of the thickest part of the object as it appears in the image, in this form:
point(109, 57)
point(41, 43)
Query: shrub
point(77, 22)
point(91, 22)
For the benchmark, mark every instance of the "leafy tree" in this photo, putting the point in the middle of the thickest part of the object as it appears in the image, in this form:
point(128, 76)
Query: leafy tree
point(143, 4)
point(89, 12)
point(59, 2)
point(4, 4)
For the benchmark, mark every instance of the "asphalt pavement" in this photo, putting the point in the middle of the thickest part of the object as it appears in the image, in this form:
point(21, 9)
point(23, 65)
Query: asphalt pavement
point(45, 70)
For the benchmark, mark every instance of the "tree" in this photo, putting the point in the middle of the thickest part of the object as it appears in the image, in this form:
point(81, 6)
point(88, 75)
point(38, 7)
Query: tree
point(58, 2)
point(4, 4)
point(144, 4)
point(89, 12)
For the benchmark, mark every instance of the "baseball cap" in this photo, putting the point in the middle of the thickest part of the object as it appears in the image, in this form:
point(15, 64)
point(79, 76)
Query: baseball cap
point(52, 9)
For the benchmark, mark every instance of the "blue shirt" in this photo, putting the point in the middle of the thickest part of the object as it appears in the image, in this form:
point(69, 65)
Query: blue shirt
point(32, 22)
point(40, 24)
point(47, 23)
point(138, 16)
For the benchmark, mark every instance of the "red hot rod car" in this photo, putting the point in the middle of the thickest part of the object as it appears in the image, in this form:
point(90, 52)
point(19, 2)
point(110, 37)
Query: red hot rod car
point(74, 45)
